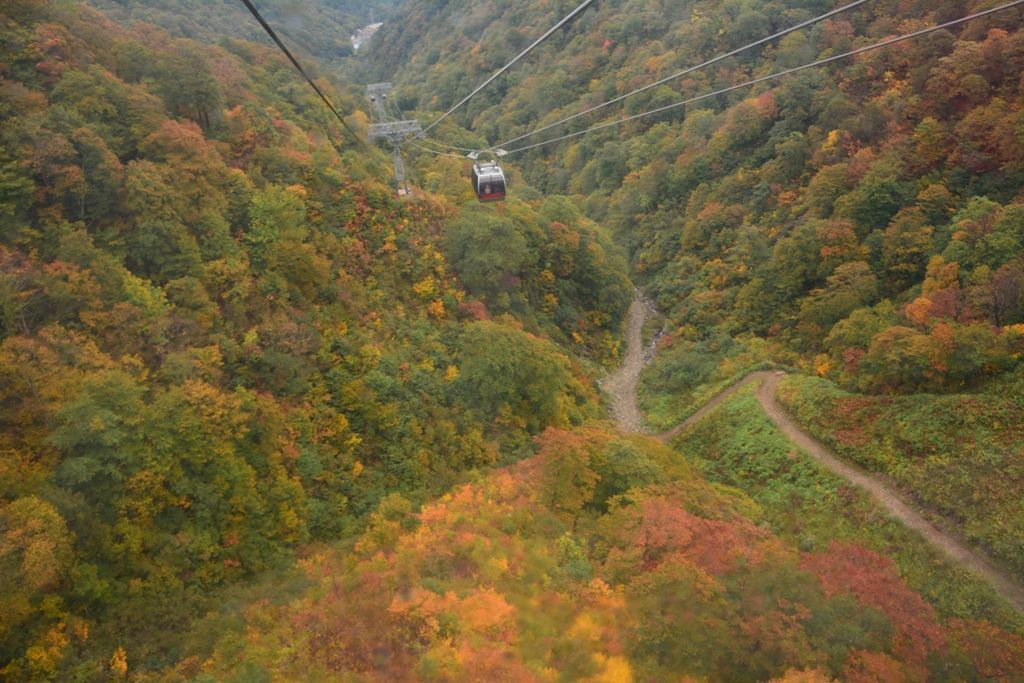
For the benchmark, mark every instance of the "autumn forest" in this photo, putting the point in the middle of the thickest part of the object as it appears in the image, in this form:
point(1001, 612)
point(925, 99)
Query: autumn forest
point(728, 389)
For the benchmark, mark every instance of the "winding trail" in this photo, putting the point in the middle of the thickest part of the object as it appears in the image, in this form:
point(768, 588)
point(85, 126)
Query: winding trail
point(629, 418)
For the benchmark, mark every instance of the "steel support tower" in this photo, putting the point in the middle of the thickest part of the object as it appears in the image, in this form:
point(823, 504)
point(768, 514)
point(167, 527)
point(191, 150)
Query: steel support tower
point(394, 131)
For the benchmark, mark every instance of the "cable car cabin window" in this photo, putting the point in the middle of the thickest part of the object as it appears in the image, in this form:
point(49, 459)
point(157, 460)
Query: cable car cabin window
point(489, 182)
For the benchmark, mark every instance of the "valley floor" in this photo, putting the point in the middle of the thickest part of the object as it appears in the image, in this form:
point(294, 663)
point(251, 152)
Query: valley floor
point(622, 384)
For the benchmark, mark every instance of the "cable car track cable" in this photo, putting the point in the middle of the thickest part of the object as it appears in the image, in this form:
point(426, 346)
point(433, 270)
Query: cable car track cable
point(434, 151)
point(396, 111)
point(273, 35)
point(689, 70)
point(392, 109)
point(569, 17)
point(779, 74)
point(447, 146)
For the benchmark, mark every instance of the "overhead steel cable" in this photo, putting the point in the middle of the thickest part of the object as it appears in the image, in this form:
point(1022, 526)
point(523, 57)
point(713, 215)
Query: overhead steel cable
point(273, 36)
point(434, 151)
point(398, 112)
point(569, 17)
point(689, 70)
point(787, 72)
point(447, 146)
point(396, 109)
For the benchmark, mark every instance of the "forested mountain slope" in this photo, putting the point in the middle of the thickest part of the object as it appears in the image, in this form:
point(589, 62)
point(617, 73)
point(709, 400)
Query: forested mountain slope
point(321, 29)
point(237, 375)
point(603, 558)
point(866, 214)
point(222, 339)
point(862, 221)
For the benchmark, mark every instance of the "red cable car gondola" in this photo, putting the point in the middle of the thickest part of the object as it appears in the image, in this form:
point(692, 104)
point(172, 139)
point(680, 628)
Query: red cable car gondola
point(489, 182)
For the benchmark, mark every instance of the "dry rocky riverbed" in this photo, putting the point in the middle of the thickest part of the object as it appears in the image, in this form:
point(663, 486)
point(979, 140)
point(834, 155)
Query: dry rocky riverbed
point(621, 385)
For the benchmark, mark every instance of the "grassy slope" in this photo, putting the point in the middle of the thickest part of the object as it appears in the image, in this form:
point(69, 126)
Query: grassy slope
point(738, 446)
point(684, 376)
point(960, 455)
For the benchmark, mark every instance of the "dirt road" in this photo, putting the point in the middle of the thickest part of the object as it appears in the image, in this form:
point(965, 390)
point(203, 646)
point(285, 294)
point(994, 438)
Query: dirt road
point(621, 386)
point(948, 542)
